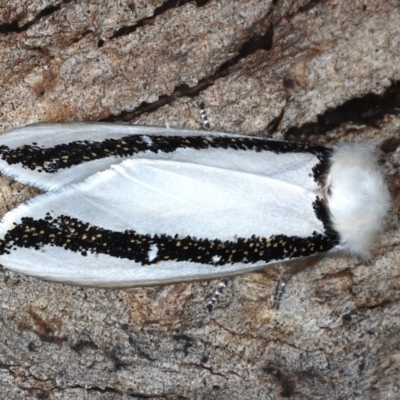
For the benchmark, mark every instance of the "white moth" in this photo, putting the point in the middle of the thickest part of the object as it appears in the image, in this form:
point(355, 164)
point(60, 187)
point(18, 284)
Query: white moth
point(132, 205)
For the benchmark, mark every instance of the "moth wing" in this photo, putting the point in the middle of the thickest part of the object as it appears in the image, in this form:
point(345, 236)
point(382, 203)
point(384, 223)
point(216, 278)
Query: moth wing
point(26, 152)
point(145, 222)
point(52, 156)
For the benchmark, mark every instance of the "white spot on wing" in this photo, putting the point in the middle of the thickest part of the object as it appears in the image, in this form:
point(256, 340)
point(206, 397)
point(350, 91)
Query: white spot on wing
point(153, 251)
point(147, 140)
point(216, 259)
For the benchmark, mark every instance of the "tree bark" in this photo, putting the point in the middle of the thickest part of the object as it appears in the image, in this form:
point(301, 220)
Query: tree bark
point(306, 70)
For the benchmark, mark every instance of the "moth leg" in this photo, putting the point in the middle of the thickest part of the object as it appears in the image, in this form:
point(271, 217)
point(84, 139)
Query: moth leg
point(280, 289)
point(220, 290)
point(203, 116)
point(293, 268)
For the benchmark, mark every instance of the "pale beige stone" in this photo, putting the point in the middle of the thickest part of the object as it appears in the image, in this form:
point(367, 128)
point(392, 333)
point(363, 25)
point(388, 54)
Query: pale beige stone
point(336, 335)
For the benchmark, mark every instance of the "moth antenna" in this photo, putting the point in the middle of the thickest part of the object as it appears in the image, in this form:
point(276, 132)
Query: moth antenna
point(280, 289)
point(203, 116)
point(220, 290)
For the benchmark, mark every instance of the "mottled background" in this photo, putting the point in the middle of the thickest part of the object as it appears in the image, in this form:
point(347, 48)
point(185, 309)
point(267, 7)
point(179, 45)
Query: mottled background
point(310, 70)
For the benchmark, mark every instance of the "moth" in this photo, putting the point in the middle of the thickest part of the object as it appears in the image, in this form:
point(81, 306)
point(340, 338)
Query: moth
point(133, 205)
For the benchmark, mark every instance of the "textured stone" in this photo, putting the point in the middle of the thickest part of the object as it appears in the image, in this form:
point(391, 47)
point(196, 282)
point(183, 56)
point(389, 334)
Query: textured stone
point(317, 71)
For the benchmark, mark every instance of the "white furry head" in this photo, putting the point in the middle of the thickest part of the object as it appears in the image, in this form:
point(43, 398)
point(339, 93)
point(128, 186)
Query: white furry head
point(358, 197)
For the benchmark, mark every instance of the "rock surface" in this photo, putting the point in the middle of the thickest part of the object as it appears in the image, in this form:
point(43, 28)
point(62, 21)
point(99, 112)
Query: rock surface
point(305, 70)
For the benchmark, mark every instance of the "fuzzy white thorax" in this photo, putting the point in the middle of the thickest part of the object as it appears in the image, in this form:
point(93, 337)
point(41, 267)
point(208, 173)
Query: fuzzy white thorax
point(358, 197)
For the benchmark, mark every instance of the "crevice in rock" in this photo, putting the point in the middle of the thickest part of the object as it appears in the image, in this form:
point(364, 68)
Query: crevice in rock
point(142, 396)
point(51, 338)
point(311, 4)
point(301, 9)
point(107, 389)
point(45, 394)
point(82, 35)
point(128, 29)
point(209, 369)
point(274, 123)
point(287, 385)
point(255, 43)
point(384, 303)
point(14, 28)
point(369, 110)
point(82, 344)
